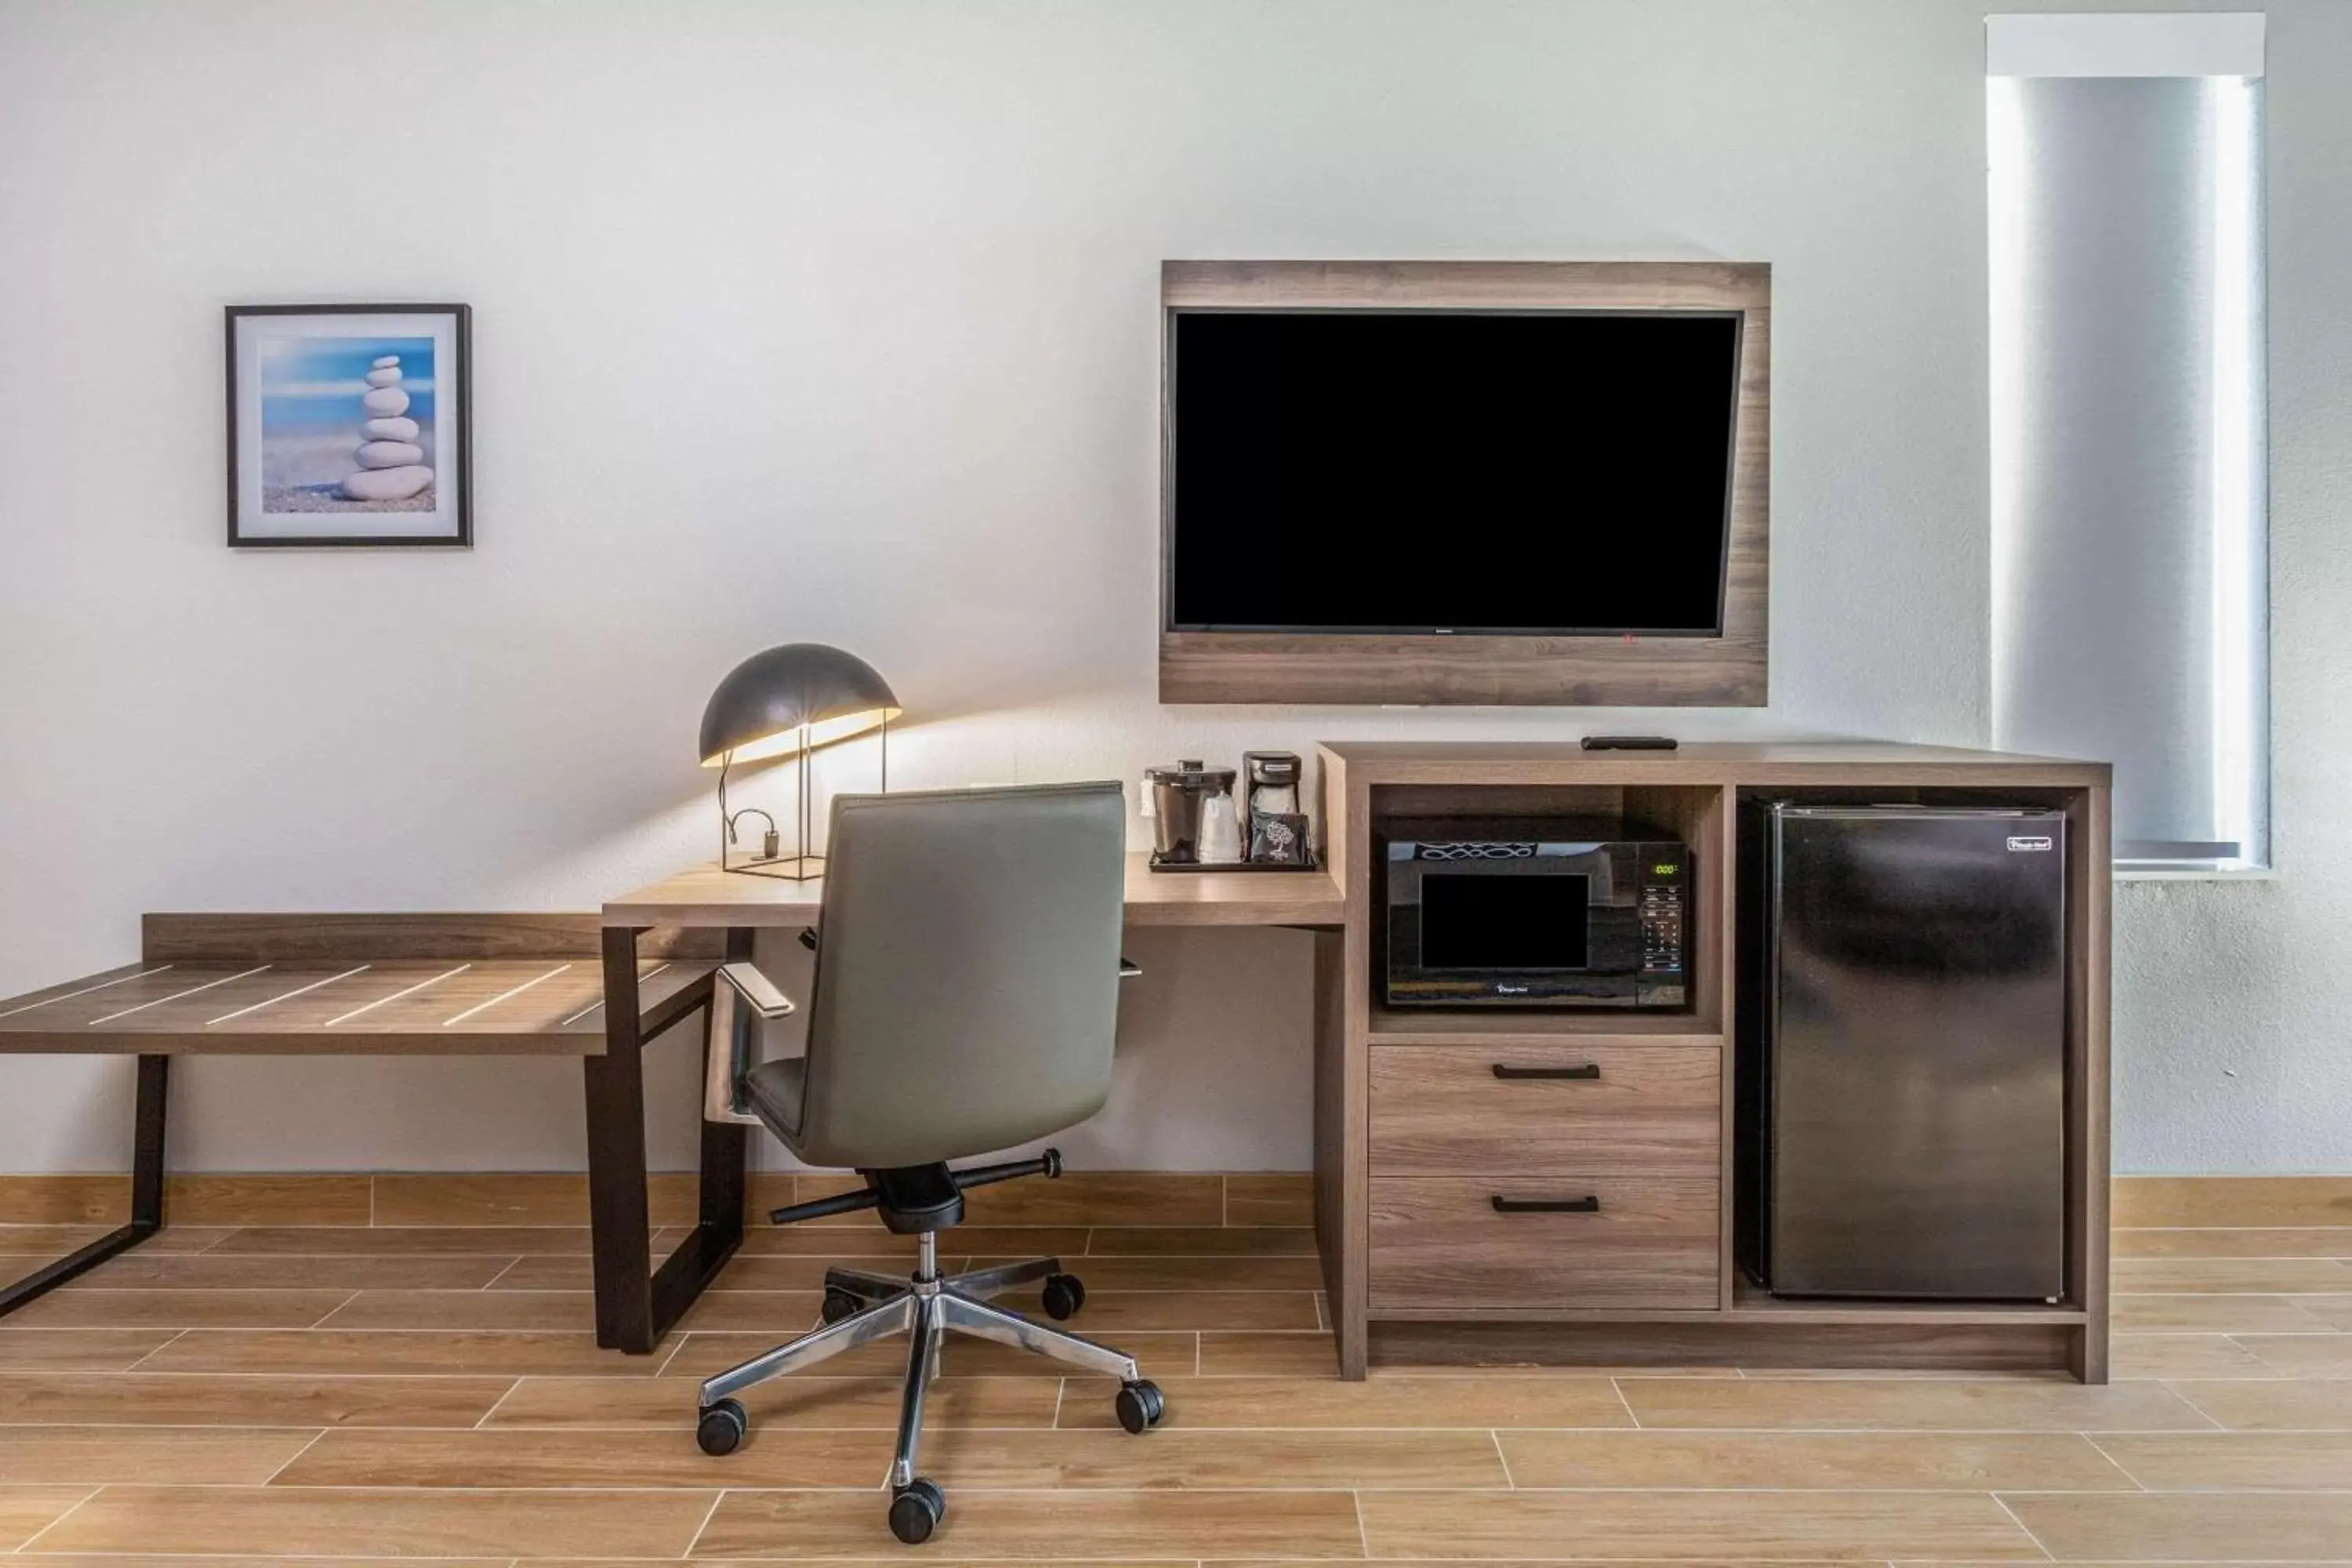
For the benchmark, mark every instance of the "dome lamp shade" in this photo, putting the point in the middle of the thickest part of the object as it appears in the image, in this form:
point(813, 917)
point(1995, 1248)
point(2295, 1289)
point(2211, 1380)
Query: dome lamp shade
point(791, 700)
point(802, 693)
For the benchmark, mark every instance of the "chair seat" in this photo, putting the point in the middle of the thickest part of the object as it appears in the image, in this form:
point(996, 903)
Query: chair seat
point(774, 1089)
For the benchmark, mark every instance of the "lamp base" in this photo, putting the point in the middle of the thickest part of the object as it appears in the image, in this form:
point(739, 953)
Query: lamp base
point(784, 868)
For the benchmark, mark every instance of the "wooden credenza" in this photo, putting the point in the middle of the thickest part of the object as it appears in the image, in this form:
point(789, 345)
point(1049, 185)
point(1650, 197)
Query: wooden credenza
point(1417, 1133)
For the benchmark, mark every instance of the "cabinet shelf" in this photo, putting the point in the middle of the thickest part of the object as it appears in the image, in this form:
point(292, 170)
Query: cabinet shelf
point(1749, 1301)
point(1398, 1026)
point(1546, 1315)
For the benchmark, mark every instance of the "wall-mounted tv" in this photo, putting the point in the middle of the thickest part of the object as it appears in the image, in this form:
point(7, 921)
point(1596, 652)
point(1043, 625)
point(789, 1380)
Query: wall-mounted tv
point(1502, 472)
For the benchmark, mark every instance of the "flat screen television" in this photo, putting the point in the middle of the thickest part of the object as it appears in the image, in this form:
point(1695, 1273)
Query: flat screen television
point(1499, 472)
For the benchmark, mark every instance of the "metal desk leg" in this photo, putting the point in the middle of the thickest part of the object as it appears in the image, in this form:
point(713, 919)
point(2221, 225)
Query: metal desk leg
point(687, 1272)
point(146, 1195)
point(636, 1305)
point(725, 1147)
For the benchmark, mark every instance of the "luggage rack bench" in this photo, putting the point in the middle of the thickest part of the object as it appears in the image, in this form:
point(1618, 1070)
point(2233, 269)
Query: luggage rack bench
point(382, 984)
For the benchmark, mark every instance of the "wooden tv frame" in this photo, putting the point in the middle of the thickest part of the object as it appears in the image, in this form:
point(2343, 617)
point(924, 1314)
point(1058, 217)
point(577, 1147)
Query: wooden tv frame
point(1725, 671)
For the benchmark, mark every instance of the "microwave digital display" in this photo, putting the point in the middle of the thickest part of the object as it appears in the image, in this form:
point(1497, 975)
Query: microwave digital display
point(1472, 923)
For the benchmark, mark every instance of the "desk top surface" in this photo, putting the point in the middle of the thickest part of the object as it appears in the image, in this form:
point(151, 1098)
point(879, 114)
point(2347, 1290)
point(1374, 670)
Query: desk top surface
point(706, 895)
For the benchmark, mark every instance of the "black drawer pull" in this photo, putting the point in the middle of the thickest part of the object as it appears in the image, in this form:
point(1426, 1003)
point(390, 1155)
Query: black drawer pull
point(1546, 1205)
point(1504, 1071)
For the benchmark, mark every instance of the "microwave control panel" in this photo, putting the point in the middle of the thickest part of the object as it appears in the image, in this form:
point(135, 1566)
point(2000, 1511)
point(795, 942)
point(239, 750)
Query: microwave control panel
point(1664, 885)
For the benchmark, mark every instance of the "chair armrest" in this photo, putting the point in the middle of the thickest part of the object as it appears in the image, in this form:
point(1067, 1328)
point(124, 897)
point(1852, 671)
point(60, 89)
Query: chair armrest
point(757, 989)
point(730, 1058)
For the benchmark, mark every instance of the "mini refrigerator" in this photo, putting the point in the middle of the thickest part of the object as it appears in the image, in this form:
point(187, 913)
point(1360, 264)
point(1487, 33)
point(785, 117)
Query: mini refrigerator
point(1901, 1039)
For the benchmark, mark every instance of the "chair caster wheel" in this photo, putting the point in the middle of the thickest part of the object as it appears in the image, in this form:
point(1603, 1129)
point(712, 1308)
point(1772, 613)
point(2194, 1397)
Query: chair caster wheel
point(1065, 1294)
point(915, 1510)
point(839, 1304)
point(1140, 1407)
point(722, 1426)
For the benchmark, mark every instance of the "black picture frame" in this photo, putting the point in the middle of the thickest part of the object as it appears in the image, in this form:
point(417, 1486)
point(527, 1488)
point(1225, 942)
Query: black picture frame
point(453, 470)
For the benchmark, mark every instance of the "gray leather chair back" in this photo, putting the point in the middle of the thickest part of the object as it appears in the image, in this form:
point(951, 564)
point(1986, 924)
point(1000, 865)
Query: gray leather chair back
point(966, 991)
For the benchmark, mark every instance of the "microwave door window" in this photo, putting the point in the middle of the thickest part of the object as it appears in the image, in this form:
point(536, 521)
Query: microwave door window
point(1489, 922)
point(1594, 861)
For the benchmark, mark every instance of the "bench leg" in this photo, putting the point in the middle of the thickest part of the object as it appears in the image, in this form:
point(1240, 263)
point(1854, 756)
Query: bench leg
point(636, 1305)
point(615, 1097)
point(146, 1195)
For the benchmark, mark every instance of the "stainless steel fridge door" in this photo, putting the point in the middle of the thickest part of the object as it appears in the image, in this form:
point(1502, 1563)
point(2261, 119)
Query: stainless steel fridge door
point(1917, 1077)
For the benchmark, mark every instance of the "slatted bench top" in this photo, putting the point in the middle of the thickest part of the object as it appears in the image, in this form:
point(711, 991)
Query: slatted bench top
point(477, 1007)
point(414, 984)
point(313, 986)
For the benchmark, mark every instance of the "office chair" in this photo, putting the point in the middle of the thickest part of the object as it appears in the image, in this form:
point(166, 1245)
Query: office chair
point(964, 998)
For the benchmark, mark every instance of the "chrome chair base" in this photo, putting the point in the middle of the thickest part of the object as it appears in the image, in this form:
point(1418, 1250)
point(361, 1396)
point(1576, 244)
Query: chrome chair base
point(927, 1307)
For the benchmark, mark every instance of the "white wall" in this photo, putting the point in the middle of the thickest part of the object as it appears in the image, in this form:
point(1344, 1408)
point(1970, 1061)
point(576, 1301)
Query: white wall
point(2231, 1001)
point(838, 322)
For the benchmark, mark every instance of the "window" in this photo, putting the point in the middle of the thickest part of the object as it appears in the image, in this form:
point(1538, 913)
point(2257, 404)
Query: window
point(2130, 585)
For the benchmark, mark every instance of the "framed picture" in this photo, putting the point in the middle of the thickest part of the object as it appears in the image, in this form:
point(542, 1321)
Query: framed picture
point(349, 424)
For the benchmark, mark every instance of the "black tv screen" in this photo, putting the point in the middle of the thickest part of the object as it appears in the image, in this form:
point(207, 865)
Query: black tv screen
point(1505, 472)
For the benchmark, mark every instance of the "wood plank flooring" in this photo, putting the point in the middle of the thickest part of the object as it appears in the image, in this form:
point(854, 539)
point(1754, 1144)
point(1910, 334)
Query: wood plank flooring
point(373, 1379)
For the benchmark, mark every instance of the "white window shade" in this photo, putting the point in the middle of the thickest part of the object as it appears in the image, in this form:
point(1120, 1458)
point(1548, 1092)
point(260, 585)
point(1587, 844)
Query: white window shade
point(2130, 566)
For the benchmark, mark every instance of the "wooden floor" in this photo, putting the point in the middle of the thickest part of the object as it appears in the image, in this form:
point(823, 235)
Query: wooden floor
point(367, 1392)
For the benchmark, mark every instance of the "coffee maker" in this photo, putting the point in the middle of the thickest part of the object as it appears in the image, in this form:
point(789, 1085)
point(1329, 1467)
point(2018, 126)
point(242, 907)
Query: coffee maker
point(1274, 816)
point(1182, 802)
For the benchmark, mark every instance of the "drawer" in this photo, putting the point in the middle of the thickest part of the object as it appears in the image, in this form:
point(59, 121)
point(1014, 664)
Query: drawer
point(1443, 1111)
point(1648, 1243)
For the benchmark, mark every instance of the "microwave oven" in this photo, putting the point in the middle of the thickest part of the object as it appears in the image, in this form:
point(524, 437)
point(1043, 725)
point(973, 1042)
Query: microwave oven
point(1532, 914)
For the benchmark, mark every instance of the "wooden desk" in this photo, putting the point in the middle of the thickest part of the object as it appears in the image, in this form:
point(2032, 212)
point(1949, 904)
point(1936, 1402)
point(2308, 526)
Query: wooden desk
point(706, 895)
point(635, 1306)
point(329, 985)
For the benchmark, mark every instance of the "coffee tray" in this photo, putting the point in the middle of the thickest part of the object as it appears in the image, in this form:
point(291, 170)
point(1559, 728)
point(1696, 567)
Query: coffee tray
point(1313, 862)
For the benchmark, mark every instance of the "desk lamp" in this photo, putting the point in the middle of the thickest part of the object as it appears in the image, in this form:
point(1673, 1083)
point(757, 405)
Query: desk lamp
point(789, 699)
